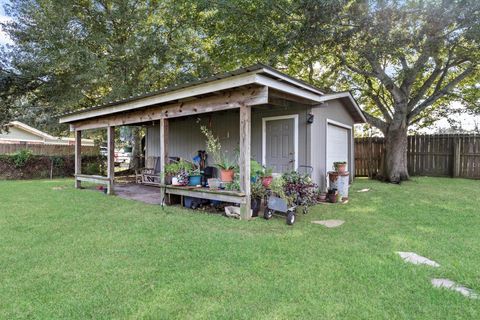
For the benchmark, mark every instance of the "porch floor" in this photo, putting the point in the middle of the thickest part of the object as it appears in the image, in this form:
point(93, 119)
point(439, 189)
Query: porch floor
point(138, 192)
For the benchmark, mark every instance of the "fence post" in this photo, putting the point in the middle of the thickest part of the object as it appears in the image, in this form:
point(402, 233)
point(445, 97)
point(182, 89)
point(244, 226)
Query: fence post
point(456, 157)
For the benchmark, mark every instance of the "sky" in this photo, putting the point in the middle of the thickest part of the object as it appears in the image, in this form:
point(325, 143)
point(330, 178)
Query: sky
point(4, 39)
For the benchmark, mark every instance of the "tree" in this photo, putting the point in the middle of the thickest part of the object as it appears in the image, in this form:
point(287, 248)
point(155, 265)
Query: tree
point(75, 54)
point(402, 59)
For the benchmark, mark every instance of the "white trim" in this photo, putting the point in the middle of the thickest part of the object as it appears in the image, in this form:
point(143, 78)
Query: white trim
point(295, 136)
point(280, 75)
point(338, 124)
point(288, 88)
point(350, 150)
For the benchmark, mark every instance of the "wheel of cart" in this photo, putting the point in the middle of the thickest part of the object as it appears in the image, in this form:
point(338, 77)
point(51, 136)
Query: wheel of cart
point(279, 205)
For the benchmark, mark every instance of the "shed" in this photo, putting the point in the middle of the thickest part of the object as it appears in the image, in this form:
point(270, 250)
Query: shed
point(266, 115)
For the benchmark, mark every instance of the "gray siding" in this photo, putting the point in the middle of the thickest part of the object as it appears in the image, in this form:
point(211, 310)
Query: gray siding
point(185, 137)
point(333, 110)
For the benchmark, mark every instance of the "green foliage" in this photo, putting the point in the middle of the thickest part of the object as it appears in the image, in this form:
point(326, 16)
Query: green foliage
point(256, 169)
point(234, 185)
point(267, 172)
point(214, 149)
point(172, 168)
point(93, 168)
point(258, 190)
point(73, 54)
point(20, 158)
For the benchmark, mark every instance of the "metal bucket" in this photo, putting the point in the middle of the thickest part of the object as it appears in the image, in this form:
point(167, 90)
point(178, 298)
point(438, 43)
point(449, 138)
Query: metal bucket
point(339, 181)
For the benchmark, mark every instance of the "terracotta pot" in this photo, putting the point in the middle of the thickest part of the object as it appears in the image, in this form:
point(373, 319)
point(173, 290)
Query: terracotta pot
point(342, 168)
point(226, 175)
point(267, 181)
point(332, 176)
point(332, 197)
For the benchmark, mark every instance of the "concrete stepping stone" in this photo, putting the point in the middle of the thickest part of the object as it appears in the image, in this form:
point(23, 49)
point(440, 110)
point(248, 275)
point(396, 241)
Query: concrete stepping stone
point(414, 258)
point(329, 223)
point(451, 285)
point(364, 190)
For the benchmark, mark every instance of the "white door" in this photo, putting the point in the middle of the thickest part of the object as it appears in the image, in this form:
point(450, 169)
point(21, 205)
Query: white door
point(337, 145)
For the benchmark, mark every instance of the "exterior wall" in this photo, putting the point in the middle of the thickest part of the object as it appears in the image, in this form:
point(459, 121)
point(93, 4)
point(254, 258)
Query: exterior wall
point(333, 110)
point(185, 137)
point(19, 135)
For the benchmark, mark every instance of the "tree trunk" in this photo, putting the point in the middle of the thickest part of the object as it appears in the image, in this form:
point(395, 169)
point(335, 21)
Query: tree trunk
point(136, 148)
point(396, 143)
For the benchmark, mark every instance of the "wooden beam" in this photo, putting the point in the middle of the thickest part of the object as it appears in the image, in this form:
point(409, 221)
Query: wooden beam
point(78, 156)
point(163, 156)
point(227, 100)
point(93, 179)
point(228, 83)
point(110, 158)
point(244, 161)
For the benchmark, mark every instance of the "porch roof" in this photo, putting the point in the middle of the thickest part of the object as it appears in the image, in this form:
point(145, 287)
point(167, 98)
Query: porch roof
point(256, 75)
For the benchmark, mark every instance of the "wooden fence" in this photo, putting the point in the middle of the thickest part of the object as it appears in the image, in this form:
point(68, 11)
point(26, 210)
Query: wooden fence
point(47, 149)
point(440, 155)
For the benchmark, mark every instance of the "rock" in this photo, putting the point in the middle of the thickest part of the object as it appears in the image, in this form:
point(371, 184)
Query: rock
point(451, 285)
point(329, 223)
point(414, 258)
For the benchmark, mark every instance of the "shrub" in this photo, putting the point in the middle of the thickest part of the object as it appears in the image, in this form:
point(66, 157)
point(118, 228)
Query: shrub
point(21, 157)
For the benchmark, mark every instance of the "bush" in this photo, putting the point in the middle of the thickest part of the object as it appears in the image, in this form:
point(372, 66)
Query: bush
point(93, 168)
point(21, 157)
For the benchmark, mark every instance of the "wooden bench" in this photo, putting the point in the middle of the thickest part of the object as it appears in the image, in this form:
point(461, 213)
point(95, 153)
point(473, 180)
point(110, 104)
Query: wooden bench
point(96, 179)
point(205, 193)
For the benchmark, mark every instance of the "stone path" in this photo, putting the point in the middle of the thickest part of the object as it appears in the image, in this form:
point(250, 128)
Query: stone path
point(451, 285)
point(329, 223)
point(414, 258)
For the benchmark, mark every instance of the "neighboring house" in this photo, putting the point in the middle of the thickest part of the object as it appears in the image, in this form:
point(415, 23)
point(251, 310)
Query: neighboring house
point(267, 115)
point(19, 132)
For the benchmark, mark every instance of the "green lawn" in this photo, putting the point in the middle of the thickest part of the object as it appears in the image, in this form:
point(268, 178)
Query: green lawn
point(80, 254)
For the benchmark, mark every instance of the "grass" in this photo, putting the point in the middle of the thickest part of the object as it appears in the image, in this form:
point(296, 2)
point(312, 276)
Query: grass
point(80, 254)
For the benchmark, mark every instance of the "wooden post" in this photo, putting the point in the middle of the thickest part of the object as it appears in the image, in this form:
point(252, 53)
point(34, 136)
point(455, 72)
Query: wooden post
point(163, 156)
point(456, 157)
point(244, 161)
point(110, 158)
point(78, 157)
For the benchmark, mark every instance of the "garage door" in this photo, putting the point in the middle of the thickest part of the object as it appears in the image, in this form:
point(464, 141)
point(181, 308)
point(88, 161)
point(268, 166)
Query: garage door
point(337, 145)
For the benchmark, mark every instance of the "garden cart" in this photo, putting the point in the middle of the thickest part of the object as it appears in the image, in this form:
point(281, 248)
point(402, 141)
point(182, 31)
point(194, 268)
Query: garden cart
point(294, 192)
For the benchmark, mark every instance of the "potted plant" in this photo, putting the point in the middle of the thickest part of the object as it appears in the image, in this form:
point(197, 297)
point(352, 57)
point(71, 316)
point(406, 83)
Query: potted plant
point(194, 177)
point(256, 170)
point(214, 148)
point(267, 177)
point(227, 170)
point(258, 193)
point(171, 170)
point(340, 166)
point(179, 172)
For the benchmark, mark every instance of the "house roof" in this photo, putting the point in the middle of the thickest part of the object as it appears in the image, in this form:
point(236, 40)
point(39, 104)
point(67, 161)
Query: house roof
point(41, 134)
point(258, 74)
